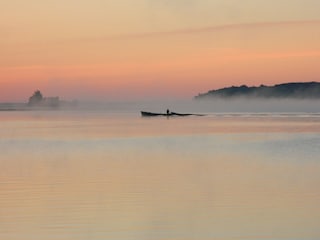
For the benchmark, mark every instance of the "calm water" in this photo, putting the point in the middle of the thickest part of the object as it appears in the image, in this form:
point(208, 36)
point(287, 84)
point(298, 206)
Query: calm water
point(97, 175)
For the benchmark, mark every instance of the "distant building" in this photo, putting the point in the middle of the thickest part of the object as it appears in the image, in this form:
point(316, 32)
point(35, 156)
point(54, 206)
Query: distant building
point(37, 100)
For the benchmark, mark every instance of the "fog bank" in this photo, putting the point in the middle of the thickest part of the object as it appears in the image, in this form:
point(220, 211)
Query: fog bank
point(212, 106)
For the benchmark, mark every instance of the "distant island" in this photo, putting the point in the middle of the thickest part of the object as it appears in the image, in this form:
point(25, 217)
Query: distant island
point(38, 102)
point(294, 90)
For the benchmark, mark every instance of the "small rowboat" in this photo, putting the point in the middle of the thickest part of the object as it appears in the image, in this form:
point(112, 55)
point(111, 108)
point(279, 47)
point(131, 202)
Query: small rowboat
point(150, 114)
point(171, 114)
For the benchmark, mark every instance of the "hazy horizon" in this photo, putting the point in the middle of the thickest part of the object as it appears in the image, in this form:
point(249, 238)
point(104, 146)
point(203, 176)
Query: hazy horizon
point(216, 106)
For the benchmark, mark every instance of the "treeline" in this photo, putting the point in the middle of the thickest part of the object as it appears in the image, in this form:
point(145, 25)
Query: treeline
point(302, 90)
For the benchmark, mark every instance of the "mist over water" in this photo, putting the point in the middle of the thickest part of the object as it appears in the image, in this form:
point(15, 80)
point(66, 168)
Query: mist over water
point(245, 170)
point(209, 106)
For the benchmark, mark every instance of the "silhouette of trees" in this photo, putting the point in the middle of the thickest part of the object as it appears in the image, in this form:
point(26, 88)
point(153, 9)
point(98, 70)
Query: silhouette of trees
point(298, 90)
point(36, 98)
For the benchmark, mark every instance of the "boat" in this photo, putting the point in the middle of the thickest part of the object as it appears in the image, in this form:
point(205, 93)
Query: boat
point(170, 114)
point(151, 114)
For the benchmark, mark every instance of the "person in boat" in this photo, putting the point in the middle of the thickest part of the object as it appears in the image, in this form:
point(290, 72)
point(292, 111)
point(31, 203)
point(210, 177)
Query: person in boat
point(168, 112)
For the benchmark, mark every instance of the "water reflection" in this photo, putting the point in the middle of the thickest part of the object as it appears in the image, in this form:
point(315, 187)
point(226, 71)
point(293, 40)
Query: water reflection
point(59, 182)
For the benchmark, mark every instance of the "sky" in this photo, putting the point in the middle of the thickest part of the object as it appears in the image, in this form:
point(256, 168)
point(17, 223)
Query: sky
point(154, 49)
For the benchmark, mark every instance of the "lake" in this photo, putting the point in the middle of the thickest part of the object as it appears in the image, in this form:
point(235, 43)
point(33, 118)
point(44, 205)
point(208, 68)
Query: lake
point(115, 175)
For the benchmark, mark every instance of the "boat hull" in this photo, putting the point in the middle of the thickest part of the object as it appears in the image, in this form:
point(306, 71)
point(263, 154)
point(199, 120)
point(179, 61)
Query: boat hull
point(171, 114)
point(150, 114)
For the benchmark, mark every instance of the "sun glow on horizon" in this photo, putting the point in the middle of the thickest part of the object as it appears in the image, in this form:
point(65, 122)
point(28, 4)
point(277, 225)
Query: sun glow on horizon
point(120, 50)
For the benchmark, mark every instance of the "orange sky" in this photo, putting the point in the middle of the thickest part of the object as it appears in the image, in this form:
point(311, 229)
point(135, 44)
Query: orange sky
point(144, 49)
